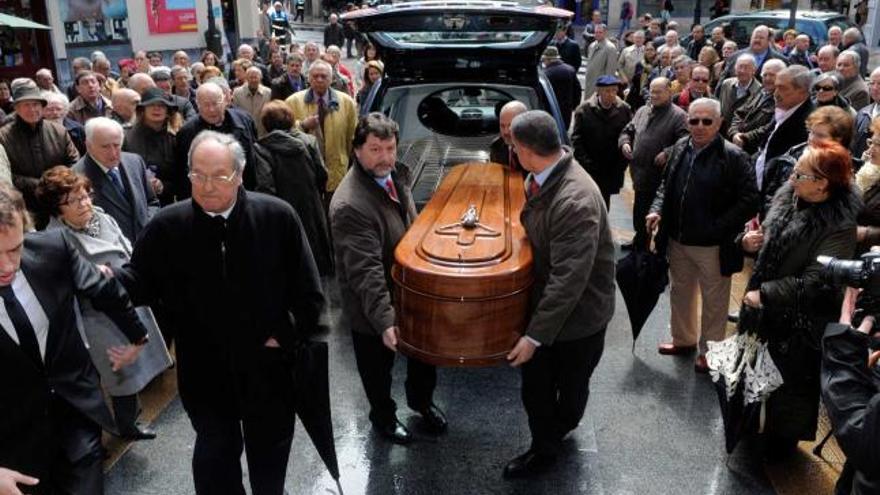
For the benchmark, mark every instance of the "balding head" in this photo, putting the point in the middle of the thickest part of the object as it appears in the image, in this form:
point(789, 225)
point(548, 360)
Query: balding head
point(826, 58)
point(660, 92)
point(140, 82)
point(760, 41)
point(510, 110)
point(125, 102)
point(45, 80)
point(211, 103)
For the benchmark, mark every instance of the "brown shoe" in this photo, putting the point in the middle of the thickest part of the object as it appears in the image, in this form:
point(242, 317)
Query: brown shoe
point(670, 349)
point(700, 365)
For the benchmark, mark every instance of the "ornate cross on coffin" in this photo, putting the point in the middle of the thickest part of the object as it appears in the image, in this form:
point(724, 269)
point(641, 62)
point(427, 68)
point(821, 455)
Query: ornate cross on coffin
point(468, 229)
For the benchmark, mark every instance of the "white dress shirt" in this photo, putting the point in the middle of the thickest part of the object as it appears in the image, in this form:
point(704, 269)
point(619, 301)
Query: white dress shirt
point(32, 307)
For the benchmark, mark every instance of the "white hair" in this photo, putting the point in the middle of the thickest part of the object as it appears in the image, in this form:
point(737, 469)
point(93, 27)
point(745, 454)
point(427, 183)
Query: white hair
point(711, 103)
point(774, 64)
point(53, 97)
point(93, 124)
point(226, 140)
point(748, 57)
point(854, 55)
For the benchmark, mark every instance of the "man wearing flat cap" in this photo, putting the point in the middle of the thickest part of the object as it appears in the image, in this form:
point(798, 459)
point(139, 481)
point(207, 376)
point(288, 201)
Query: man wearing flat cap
point(162, 77)
point(598, 122)
point(33, 144)
point(563, 78)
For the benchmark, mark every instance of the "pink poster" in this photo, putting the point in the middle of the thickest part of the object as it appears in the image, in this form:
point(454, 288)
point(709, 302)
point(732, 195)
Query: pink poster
point(171, 16)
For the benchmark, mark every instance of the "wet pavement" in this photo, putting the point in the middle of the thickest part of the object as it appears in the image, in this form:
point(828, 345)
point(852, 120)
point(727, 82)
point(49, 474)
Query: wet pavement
point(652, 426)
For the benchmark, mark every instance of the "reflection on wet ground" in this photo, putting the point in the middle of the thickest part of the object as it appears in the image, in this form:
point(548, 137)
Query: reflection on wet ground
point(652, 427)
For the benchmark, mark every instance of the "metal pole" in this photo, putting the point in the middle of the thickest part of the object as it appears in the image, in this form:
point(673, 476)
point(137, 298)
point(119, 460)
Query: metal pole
point(698, 12)
point(792, 14)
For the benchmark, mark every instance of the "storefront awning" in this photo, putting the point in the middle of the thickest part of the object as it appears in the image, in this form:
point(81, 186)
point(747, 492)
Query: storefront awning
point(13, 22)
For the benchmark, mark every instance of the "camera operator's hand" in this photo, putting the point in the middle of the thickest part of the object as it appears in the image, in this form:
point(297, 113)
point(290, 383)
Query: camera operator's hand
point(849, 307)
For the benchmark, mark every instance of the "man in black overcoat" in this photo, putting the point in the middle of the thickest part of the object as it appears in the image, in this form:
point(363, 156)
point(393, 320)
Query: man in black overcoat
point(51, 404)
point(238, 280)
point(597, 125)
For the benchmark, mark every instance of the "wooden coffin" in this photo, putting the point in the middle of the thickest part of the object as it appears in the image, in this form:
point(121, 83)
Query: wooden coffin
point(463, 270)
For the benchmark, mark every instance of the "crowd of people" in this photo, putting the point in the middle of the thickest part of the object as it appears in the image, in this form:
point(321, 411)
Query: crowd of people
point(763, 153)
point(141, 186)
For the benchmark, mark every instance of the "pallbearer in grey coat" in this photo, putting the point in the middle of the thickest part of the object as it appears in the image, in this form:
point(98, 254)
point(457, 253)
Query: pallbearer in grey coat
point(100, 241)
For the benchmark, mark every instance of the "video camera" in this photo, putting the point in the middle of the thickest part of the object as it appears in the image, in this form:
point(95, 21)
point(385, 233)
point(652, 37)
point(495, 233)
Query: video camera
point(863, 273)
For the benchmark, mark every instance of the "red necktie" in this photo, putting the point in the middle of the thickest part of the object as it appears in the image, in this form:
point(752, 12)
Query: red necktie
point(533, 186)
point(392, 191)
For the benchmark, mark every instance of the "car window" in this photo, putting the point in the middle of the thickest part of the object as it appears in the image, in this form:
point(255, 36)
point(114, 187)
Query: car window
point(741, 29)
point(443, 125)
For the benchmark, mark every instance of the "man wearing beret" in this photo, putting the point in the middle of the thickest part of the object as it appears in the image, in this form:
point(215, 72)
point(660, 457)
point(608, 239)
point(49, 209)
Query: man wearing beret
point(598, 122)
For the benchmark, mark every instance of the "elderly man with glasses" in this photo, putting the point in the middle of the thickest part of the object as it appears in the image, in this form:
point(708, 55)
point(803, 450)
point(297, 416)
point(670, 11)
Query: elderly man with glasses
point(231, 267)
point(711, 192)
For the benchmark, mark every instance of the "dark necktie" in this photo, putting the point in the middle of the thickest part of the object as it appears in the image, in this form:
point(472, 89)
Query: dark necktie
point(116, 179)
point(27, 338)
point(533, 186)
point(392, 191)
point(322, 112)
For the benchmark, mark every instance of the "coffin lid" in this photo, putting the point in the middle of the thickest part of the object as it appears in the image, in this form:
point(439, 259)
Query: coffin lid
point(468, 241)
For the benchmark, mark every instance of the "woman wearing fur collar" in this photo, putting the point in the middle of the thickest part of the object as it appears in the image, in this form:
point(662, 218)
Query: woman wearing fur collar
point(813, 214)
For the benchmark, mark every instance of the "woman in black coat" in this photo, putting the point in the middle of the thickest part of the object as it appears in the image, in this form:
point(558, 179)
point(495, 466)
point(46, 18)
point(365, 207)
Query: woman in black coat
point(289, 166)
point(813, 214)
point(828, 123)
point(153, 138)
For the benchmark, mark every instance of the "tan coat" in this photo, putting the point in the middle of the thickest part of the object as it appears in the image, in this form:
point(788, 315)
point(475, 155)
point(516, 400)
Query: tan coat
point(252, 103)
point(337, 134)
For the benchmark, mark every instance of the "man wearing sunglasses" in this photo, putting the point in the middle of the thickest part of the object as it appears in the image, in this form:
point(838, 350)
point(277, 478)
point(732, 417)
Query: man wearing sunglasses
point(708, 192)
point(697, 87)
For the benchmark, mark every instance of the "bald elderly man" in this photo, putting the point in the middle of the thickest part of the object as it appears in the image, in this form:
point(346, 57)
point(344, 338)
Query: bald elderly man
point(500, 151)
point(125, 103)
point(214, 114)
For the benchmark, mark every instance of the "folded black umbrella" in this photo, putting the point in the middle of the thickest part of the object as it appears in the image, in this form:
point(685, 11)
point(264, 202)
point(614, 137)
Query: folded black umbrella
point(642, 276)
point(740, 418)
point(312, 387)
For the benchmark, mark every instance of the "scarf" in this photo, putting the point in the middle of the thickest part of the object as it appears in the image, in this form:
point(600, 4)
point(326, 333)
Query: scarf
point(867, 177)
point(91, 229)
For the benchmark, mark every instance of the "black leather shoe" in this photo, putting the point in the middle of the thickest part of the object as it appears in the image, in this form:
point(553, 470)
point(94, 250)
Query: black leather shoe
point(139, 432)
point(529, 464)
point(433, 420)
point(395, 432)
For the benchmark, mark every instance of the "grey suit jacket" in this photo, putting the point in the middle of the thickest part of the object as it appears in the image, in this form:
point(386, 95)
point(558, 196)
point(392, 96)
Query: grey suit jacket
point(726, 94)
point(133, 209)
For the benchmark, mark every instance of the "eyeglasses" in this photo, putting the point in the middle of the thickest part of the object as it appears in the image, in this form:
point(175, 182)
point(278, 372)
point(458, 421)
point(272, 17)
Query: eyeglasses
point(798, 176)
point(78, 200)
point(699, 79)
point(705, 122)
point(220, 180)
point(824, 88)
